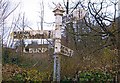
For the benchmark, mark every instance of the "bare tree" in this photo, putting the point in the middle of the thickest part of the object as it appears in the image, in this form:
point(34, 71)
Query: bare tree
point(5, 12)
point(99, 19)
point(100, 15)
point(97, 31)
point(41, 18)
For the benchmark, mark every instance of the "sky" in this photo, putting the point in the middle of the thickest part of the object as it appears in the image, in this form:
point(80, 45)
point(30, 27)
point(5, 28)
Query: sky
point(32, 9)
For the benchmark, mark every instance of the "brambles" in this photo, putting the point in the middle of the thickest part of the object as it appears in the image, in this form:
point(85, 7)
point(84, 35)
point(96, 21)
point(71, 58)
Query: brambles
point(15, 73)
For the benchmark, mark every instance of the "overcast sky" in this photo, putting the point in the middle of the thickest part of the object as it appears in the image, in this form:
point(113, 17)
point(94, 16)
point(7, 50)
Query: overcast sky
point(32, 9)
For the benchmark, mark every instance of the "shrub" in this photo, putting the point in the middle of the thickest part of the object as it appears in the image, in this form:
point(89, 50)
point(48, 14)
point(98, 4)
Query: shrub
point(15, 73)
point(90, 77)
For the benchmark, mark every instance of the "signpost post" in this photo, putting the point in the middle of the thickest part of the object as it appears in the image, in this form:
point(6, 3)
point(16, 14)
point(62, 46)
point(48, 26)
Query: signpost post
point(58, 12)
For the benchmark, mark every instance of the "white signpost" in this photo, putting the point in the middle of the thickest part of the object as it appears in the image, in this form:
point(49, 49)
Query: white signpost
point(58, 12)
point(49, 34)
point(58, 48)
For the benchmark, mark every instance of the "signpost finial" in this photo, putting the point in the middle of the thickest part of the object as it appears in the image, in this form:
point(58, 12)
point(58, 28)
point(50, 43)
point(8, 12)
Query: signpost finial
point(59, 10)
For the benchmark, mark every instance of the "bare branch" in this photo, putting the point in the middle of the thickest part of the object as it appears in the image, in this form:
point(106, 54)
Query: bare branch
point(11, 12)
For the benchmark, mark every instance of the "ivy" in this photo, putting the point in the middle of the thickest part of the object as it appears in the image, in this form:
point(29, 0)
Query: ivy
point(91, 76)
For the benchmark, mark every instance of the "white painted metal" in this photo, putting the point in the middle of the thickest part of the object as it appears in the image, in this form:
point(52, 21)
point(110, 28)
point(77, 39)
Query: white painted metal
point(57, 34)
point(36, 34)
point(66, 51)
point(58, 12)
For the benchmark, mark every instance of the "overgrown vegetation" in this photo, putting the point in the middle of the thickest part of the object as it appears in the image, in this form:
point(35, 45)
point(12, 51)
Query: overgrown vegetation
point(24, 72)
point(9, 56)
point(91, 77)
point(15, 73)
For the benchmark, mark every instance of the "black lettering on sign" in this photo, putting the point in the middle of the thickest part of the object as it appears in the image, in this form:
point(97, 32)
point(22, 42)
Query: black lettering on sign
point(14, 35)
point(35, 50)
point(49, 34)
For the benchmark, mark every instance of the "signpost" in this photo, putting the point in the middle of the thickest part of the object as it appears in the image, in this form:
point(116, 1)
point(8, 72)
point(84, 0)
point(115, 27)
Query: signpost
point(58, 48)
point(48, 34)
point(58, 12)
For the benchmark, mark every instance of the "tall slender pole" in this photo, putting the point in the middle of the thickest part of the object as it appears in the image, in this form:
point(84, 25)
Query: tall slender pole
point(67, 10)
point(58, 12)
point(1, 44)
point(42, 18)
point(23, 28)
point(67, 29)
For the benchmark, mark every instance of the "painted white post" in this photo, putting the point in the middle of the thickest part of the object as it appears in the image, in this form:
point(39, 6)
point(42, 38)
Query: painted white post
point(58, 12)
